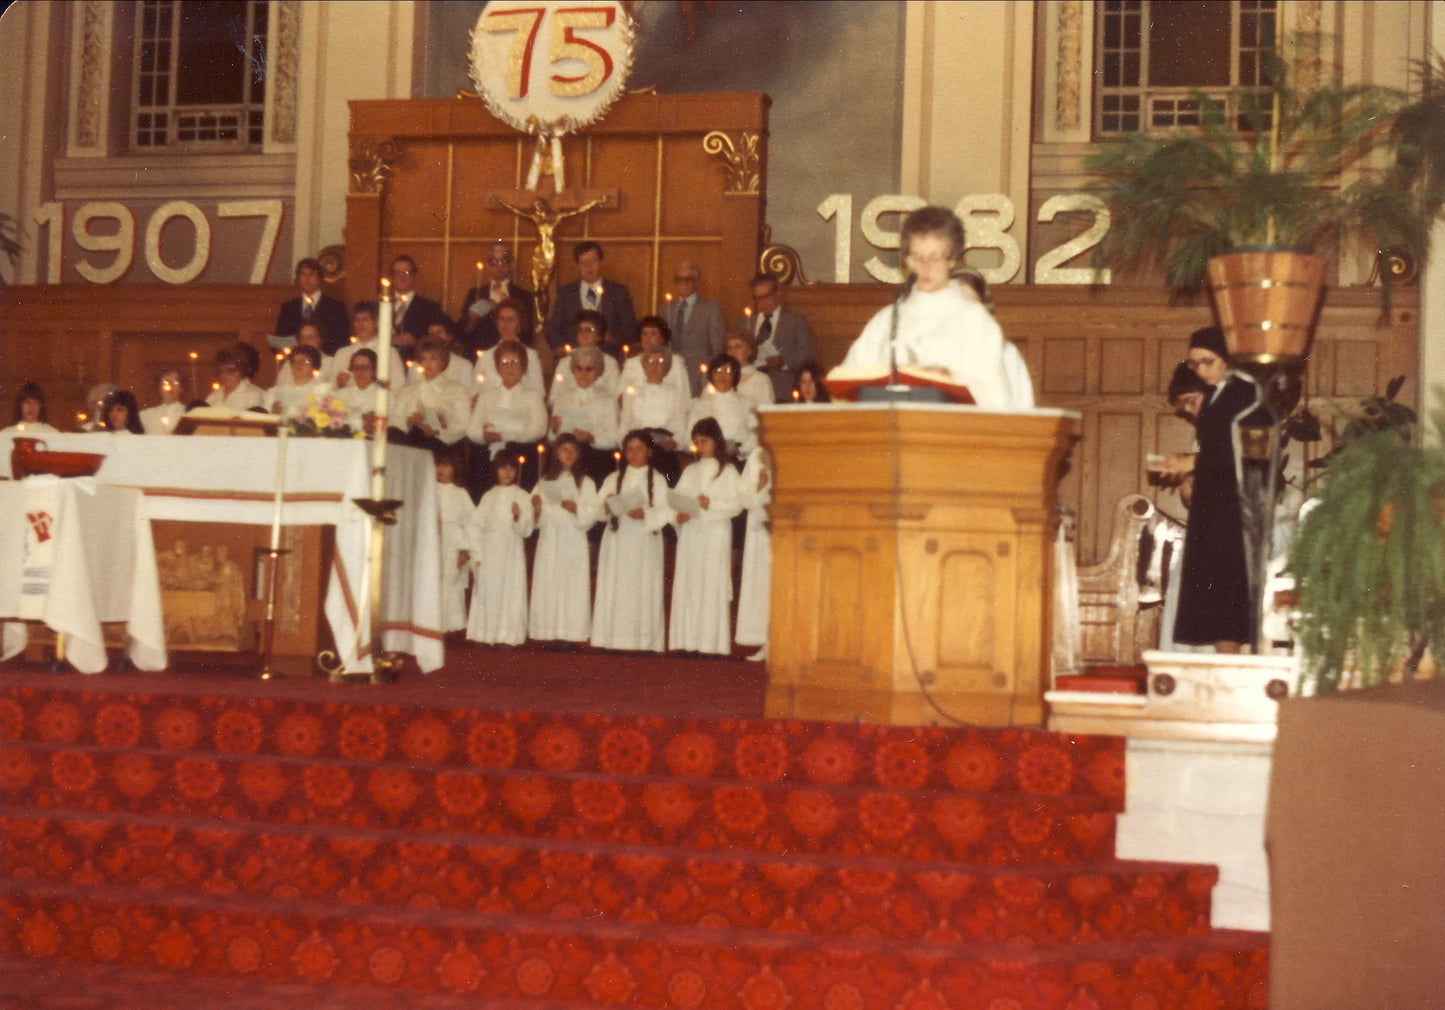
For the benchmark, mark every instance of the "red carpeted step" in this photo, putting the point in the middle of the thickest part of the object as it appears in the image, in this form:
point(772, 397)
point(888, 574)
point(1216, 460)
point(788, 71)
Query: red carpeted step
point(1014, 761)
point(512, 957)
point(791, 893)
point(701, 814)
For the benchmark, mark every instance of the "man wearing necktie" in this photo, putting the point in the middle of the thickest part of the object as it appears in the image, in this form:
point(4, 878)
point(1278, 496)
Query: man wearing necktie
point(592, 292)
point(697, 324)
point(479, 328)
point(314, 305)
point(412, 315)
point(785, 343)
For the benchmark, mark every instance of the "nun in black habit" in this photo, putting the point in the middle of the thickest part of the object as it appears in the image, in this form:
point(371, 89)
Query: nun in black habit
point(1218, 604)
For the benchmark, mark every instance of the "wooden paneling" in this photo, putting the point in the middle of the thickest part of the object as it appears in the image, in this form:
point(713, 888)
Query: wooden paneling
point(69, 337)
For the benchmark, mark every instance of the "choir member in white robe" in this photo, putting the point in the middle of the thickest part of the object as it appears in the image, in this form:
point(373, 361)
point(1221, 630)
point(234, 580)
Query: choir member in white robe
point(587, 412)
point(702, 580)
point(309, 335)
point(30, 414)
point(360, 393)
point(653, 334)
point(736, 415)
point(303, 368)
point(565, 505)
point(657, 403)
point(162, 418)
point(752, 385)
point(500, 523)
point(234, 390)
point(627, 612)
point(755, 491)
point(454, 512)
point(484, 373)
point(510, 419)
point(363, 338)
point(431, 403)
point(589, 330)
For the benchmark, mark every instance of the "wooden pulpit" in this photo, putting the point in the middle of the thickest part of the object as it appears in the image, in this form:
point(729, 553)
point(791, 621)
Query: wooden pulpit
point(912, 548)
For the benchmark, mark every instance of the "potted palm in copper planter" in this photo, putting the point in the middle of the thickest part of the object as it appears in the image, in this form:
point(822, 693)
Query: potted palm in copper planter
point(1248, 199)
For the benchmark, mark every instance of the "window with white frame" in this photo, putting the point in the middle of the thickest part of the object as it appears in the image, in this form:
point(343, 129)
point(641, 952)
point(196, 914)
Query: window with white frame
point(200, 75)
point(1154, 55)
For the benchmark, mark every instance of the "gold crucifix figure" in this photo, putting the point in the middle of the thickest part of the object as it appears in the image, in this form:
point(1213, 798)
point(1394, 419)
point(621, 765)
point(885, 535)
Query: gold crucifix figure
point(544, 218)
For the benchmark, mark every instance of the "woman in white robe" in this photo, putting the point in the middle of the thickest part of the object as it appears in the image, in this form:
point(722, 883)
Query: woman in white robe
point(501, 522)
point(627, 612)
point(702, 581)
point(755, 491)
point(564, 505)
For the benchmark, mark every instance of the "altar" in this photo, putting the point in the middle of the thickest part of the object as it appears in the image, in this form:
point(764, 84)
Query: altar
point(195, 487)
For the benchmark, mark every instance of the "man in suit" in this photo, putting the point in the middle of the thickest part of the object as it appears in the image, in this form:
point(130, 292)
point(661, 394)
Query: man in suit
point(479, 328)
point(412, 315)
point(697, 324)
point(313, 306)
point(590, 291)
point(785, 343)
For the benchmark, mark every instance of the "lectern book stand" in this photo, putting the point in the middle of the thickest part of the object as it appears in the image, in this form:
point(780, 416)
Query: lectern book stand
point(912, 562)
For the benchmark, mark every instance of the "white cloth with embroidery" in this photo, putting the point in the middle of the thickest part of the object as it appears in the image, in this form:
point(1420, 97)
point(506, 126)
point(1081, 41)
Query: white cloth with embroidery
point(74, 554)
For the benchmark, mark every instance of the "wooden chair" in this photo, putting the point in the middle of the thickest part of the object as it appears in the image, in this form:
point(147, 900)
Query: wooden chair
point(1113, 629)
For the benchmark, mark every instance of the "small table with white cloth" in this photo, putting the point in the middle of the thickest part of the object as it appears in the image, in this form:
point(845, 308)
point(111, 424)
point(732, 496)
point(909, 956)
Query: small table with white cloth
point(75, 553)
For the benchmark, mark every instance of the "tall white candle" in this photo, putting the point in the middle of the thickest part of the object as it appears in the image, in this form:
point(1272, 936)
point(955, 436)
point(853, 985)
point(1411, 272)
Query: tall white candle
point(280, 486)
point(383, 392)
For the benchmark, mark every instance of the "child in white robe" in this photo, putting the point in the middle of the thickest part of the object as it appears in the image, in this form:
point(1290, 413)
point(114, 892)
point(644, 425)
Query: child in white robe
point(627, 612)
point(702, 581)
point(755, 491)
point(564, 506)
point(454, 512)
point(500, 523)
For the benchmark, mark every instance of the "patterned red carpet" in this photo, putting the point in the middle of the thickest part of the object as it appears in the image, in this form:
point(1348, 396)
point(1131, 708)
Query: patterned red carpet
point(537, 829)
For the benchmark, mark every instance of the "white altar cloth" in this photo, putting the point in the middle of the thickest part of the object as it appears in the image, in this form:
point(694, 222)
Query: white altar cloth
point(233, 480)
point(74, 553)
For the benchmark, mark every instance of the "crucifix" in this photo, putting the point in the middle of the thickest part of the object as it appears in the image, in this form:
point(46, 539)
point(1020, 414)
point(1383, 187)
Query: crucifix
point(544, 216)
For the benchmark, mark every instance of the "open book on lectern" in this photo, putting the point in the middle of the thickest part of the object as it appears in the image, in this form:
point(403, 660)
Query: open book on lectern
point(844, 383)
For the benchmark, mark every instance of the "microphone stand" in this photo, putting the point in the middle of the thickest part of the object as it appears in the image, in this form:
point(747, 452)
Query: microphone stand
point(895, 384)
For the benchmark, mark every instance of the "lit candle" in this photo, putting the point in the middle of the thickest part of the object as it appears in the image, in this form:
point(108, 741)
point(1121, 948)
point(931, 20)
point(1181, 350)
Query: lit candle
point(667, 296)
point(617, 456)
point(747, 311)
point(194, 356)
point(795, 396)
point(626, 350)
point(280, 487)
point(478, 285)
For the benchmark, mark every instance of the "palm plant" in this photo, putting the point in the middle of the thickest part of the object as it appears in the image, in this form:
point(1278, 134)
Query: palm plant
point(1272, 175)
point(1369, 559)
